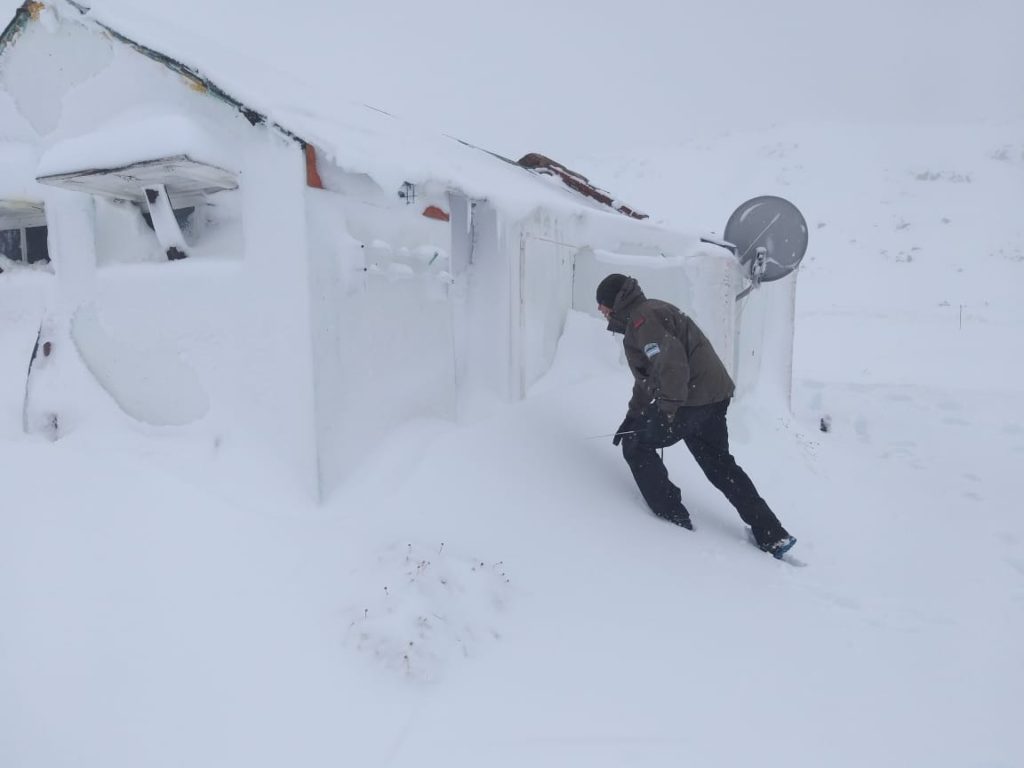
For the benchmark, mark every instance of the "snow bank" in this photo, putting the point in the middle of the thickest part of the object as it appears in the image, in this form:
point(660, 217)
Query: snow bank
point(150, 384)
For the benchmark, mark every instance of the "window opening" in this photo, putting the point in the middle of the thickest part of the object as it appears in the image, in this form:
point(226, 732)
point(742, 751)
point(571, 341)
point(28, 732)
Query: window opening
point(25, 244)
point(181, 215)
point(10, 244)
point(38, 250)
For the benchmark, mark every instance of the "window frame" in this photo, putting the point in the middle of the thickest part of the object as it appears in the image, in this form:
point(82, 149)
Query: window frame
point(21, 218)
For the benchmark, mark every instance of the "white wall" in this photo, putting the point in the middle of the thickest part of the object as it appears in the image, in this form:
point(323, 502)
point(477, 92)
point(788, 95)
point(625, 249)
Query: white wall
point(382, 325)
point(276, 278)
point(23, 297)
point(398, 226)
point(71, 223)
point(545, 285)
point(482, 311)
point(766, 319)
point(336, 271)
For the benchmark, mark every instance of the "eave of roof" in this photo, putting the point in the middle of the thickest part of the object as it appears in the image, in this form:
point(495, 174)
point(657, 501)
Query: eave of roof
point(27, 12)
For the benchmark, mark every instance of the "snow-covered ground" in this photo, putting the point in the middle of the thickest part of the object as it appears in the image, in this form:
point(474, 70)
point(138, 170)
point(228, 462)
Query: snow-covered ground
point(495, 593)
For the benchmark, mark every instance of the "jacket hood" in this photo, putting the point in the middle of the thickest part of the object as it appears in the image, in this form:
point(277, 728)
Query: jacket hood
point(628, 297)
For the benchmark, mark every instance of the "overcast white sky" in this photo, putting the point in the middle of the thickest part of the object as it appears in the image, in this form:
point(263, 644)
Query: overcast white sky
point(554, 75)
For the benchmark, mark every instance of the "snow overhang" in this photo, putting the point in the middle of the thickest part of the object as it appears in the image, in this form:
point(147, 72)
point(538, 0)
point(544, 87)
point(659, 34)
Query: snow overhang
point(134, 152)
point(184, 178)
point(15, 214)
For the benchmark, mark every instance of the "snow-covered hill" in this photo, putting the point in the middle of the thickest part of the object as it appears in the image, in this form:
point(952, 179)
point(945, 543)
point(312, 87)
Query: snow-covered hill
point(495, 592)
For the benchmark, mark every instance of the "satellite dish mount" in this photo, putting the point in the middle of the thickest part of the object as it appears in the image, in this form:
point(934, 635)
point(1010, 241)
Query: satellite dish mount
point(769, 237)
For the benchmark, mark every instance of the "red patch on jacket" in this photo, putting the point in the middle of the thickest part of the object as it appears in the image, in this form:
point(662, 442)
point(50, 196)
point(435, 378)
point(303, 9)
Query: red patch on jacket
point(639, 321)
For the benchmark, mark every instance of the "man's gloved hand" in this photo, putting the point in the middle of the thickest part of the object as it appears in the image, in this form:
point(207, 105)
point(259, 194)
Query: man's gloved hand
point(660, 410)
point(667, 410)
point(629, 424)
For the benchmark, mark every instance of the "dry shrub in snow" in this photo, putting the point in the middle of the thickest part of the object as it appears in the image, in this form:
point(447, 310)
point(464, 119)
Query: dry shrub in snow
point(425, 608)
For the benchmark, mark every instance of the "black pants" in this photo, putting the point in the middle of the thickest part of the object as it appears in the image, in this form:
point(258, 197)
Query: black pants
point(703, 429)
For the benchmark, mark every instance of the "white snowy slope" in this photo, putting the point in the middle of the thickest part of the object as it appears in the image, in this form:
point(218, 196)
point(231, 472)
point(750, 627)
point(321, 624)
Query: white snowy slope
point(495, 592)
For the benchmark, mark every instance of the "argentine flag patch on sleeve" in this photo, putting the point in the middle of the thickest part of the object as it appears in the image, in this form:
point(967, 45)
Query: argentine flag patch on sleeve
point(651, 350)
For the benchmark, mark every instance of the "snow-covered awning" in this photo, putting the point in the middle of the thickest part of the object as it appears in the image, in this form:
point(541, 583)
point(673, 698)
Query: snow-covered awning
point(183, 177)
point(15, 214)
point(128, 155)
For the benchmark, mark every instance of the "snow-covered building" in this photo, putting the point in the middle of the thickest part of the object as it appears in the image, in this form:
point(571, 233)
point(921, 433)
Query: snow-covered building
point(196, 242)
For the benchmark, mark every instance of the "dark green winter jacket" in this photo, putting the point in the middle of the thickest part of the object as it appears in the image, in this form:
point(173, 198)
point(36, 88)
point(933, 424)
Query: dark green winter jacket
point(671, 359)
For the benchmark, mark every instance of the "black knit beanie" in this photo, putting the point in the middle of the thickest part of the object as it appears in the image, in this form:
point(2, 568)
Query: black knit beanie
point(609, 288)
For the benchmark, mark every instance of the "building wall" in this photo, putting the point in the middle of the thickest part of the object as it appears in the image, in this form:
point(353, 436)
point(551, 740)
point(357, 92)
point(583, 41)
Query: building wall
point(218, 347)
point(766, 319)
point(23, 297)
point(546, 254)
point(481, 307)
point(382, 326)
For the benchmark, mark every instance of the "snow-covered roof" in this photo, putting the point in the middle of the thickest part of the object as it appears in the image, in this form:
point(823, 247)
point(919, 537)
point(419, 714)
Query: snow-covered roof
point(355, 137)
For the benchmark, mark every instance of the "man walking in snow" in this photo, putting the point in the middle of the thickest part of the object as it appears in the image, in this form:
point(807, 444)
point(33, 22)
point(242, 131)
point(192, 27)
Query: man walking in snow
point(681, 392)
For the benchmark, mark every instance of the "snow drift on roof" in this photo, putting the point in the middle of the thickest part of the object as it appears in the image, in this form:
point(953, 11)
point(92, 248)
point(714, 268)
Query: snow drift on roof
point(138, 138)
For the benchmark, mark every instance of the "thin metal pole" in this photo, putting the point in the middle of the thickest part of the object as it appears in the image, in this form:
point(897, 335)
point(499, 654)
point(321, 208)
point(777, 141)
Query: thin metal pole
point(613, 434)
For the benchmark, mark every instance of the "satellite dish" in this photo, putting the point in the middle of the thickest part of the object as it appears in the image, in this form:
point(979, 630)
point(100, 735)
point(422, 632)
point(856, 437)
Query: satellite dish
point(769, 235)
